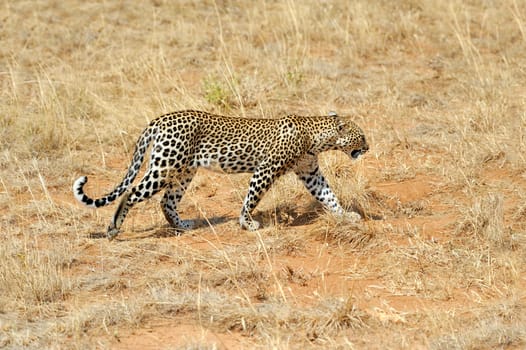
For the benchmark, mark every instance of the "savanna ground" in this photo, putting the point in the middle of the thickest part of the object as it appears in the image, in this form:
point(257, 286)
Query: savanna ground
point(438, 263)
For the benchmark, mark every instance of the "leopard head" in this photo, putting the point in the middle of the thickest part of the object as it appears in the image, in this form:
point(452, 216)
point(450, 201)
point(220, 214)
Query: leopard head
point(351, 138)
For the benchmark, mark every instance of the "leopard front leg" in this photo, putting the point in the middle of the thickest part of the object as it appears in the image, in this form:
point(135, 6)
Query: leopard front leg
point(259, 185)
point(318, 186)
point(289, 146)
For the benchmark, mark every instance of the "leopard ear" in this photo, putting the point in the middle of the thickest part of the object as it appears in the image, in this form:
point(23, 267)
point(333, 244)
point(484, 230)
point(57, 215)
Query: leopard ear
point(341, 124)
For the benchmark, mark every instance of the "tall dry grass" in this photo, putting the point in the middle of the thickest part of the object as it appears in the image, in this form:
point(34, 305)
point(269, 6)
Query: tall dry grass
point(438, 88)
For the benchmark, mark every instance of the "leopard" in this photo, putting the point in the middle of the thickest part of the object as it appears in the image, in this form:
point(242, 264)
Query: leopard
point(183, 141)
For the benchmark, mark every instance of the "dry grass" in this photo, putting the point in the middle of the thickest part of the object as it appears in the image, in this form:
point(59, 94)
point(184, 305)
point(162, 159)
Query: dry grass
point(437, 263)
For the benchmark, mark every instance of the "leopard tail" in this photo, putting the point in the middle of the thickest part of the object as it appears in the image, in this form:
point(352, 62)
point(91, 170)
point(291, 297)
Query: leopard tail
point(138, 157)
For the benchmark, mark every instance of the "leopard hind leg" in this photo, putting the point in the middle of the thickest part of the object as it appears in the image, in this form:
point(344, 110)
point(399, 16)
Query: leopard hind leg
point(151, 184)
point(172, 196)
